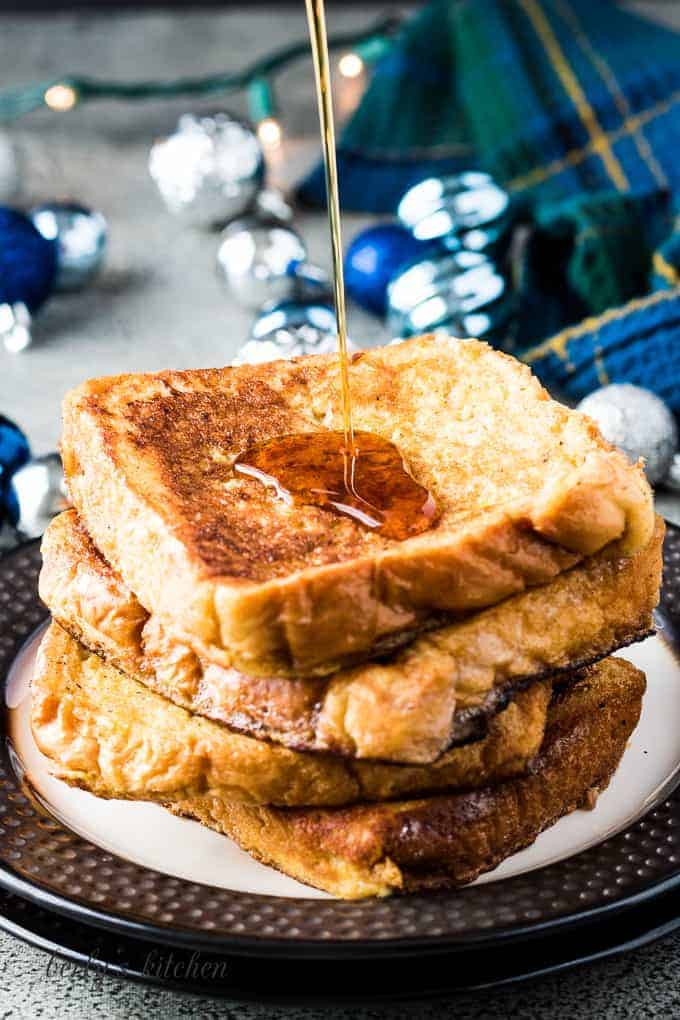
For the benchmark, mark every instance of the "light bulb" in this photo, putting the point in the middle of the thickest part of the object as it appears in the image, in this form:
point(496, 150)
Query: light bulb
point(350, 65)
point(269, 132)
point(61, 97)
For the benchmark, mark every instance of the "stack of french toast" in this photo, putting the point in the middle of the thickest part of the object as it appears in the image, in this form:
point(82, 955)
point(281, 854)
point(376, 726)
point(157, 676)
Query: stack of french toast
point(366, 714)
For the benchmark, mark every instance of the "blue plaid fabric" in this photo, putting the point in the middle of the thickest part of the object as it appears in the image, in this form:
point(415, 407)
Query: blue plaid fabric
point(574, 105)
point(637, 343)
point(553, 97)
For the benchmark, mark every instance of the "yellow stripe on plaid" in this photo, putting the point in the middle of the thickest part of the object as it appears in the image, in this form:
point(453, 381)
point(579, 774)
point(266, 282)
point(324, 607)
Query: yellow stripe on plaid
point(608, 77)
point(664, 269)
point(599, 141)
point(598, 361)
point(557, 344)
point(576, 156)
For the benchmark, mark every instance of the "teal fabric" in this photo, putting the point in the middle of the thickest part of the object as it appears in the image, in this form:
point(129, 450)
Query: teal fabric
point(409, 124)
point(587, 254)
point(665, 273)
point(553, 97)
point(574, 106)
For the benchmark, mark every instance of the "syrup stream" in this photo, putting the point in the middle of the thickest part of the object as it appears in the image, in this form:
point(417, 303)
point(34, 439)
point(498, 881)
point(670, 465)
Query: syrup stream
point(317, 29)
point(358, 475)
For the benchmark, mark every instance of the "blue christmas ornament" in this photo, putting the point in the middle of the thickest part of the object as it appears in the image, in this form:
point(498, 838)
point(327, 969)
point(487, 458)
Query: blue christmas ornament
point(28, 261)
point(14, 453)
point(373, 258)
point(28, 268)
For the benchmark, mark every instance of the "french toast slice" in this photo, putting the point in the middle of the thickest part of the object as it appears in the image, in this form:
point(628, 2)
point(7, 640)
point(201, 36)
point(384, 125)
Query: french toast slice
point(112, 735)
point(524, 488)
point(447, 840)
point(409, 707)
point(125, 749)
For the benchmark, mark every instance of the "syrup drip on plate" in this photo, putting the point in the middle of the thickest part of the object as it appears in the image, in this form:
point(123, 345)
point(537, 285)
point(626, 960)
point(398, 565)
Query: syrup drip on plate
point(371, 484)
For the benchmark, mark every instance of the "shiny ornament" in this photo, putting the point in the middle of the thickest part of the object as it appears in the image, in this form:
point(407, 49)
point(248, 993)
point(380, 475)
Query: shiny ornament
point(210, 170)
point(28, 269)
point(672, 478)
point(14, 451)
point(80, 235)
point(36, 494)
point(289, 329)
point(265, 261)
point(373, 258)
point(461, 292)
point(257, 260)
point(271, 205)
point(10, 174)
point(466, 210)
point(638, 422)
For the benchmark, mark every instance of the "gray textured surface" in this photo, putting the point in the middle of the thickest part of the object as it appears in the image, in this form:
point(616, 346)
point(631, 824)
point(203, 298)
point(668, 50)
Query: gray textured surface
point(634, 987)
point(159, 304)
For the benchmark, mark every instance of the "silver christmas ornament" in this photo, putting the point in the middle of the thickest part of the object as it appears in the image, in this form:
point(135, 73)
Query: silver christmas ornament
point(288, 330)
point(210, 170)
point(257, 261)
point(15, 327)
point(462, 292)
point(271, 205)
point(672, 478)
point(36, 494)
point(466, 210)
point(638, 422)
point(81, 236)
point(264, 260)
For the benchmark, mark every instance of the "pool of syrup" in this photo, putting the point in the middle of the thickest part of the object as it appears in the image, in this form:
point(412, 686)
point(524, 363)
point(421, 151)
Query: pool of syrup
point(370, 483)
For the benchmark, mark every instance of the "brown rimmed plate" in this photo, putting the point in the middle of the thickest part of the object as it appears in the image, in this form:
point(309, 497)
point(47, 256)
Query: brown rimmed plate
point(59, 872)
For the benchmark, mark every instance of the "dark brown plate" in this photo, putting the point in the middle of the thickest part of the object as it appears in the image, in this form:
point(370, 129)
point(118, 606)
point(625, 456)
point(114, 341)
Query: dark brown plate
point(373, 979)
point(43, 861)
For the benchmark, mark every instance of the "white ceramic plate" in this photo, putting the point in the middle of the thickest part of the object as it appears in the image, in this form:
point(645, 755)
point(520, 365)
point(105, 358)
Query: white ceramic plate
point(151, 836)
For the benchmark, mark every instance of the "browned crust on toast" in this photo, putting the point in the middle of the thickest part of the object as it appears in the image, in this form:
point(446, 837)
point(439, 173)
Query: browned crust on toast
point(409, 707)
point(445, 841)
point(524, 488)
point(115, 737)
point(368, 849)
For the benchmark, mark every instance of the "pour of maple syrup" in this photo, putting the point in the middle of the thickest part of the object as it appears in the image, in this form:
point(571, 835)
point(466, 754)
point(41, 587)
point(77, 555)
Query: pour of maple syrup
point(370, 483)
point(358, 474)
point(316, 17)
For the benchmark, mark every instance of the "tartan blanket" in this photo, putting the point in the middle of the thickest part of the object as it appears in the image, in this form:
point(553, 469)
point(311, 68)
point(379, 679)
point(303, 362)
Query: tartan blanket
point(574, 106)
point(553, 97)
point(638, 342)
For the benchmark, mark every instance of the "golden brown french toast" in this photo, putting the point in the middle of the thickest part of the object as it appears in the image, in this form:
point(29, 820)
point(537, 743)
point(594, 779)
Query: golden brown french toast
point(409, 707)
point(138, 746)
point(115, 737)
point(446, 840)
point(524, 488)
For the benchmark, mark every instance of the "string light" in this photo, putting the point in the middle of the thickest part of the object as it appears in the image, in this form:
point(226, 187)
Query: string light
point(350, 65)
point(61, 97)
point(269, 132)
point(263, 112)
